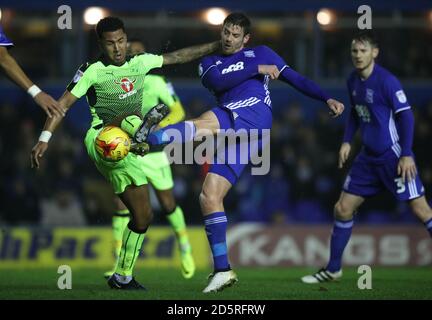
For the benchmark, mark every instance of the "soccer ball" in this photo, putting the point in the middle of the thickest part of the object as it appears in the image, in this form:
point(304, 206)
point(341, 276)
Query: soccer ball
point(112, 143)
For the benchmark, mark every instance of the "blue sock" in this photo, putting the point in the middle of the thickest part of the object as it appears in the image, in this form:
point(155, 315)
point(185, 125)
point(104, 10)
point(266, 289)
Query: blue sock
point(340, 237)
point(215, 226)
point(428, 225)
point(180, 133)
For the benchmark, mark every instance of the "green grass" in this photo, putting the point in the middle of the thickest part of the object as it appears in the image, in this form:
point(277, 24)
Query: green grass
point(254, 284)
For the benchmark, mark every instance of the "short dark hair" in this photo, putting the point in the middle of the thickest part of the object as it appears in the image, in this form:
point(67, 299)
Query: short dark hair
point(367, 36)
point(108, 24)
point(239, 19)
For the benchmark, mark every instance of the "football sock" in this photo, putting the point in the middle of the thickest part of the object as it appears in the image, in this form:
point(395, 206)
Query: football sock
point(177, 222)
point(181, 132)
point(428, 225)
point(215, 227)
point(119, 221)
point(131, 246)
point(339, 239)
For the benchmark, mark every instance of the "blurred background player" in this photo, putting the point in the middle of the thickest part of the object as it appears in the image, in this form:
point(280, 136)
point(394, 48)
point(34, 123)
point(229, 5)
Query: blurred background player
point(239, 79)
point(17, 75)
point(156, 167)
point(114, 85)
point(386, 121)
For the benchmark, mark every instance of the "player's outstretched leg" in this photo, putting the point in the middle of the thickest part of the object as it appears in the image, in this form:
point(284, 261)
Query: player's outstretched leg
point(152, 118)
point(120, 220)
point(182, 132)
point(342, 228)
point(137, 201)
point(211, 200)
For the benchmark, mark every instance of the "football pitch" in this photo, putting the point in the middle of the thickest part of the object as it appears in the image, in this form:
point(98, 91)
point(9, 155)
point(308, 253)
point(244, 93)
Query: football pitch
point(254, 284)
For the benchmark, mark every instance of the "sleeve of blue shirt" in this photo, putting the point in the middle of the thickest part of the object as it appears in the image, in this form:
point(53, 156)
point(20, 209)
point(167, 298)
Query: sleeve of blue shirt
point(4, 41)
point(216, 81)
point(404, 118)
point(394, 94)
point(295, 79)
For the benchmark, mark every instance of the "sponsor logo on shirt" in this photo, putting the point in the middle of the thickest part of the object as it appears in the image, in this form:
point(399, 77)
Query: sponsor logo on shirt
point(369, 95)
point(234, 67)
point(401, 96)
point(363, 112)
point(128, 86)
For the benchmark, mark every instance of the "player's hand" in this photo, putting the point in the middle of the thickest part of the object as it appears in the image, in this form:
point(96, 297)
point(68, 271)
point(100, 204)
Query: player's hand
point(407, 169)
point(49, 105)
point(269, 69)
point(336, 107)
point(37, 153)
point(344, 152)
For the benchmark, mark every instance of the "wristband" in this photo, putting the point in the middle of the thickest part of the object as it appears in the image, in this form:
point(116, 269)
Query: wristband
point(45, 136)
point(34, 90)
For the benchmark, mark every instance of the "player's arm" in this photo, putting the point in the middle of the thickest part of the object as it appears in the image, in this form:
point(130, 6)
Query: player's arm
point(17, 75)
point(216, 81)
point(301, 83)
point(404, 120)
point(351, 126)
point(82, 81)
point(51, 123)
point(190, 53)
point(350, 130)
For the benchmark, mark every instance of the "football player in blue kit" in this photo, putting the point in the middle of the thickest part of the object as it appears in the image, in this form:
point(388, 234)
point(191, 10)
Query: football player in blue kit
point(238, 77)
point(17, 75)
point(380, 109)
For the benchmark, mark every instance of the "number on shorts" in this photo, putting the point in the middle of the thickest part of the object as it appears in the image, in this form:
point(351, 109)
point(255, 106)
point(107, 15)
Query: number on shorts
point(400, 185)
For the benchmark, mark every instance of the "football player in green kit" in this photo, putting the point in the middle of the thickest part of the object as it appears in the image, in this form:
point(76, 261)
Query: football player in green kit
point(156, 168)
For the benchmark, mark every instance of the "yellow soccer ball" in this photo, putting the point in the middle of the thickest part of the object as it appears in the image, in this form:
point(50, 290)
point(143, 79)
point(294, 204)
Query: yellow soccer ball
point(112, 143)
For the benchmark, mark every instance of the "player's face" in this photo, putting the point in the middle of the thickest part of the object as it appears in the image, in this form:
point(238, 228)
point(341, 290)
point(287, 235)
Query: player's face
point(233, 38)
point(135, 48)
point(362, 54)
point(114, 46)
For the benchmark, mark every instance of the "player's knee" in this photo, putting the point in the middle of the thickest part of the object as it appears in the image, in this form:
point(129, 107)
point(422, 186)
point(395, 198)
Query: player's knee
point(168, 204)
point(142, 218)
point(342, 211)
point(208, 200)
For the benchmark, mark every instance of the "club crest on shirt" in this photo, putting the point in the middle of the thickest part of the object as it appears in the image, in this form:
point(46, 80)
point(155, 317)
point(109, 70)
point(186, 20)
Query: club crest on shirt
point(369, 95)
point(249, 54)
point(401, 96)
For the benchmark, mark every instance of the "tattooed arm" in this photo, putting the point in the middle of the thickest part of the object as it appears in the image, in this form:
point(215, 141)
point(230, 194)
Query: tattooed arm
point(190, 53)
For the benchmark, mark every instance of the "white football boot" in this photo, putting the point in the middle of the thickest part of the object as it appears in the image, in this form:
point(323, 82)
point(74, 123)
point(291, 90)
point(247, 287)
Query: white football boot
point(220, 280)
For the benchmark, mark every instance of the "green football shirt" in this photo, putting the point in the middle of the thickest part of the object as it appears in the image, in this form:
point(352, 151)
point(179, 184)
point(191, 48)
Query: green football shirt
point(114, 91)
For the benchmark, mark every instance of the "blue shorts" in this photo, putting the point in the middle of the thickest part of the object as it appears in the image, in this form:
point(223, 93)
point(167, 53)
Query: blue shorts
point(235, 156)
point(366, 179)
